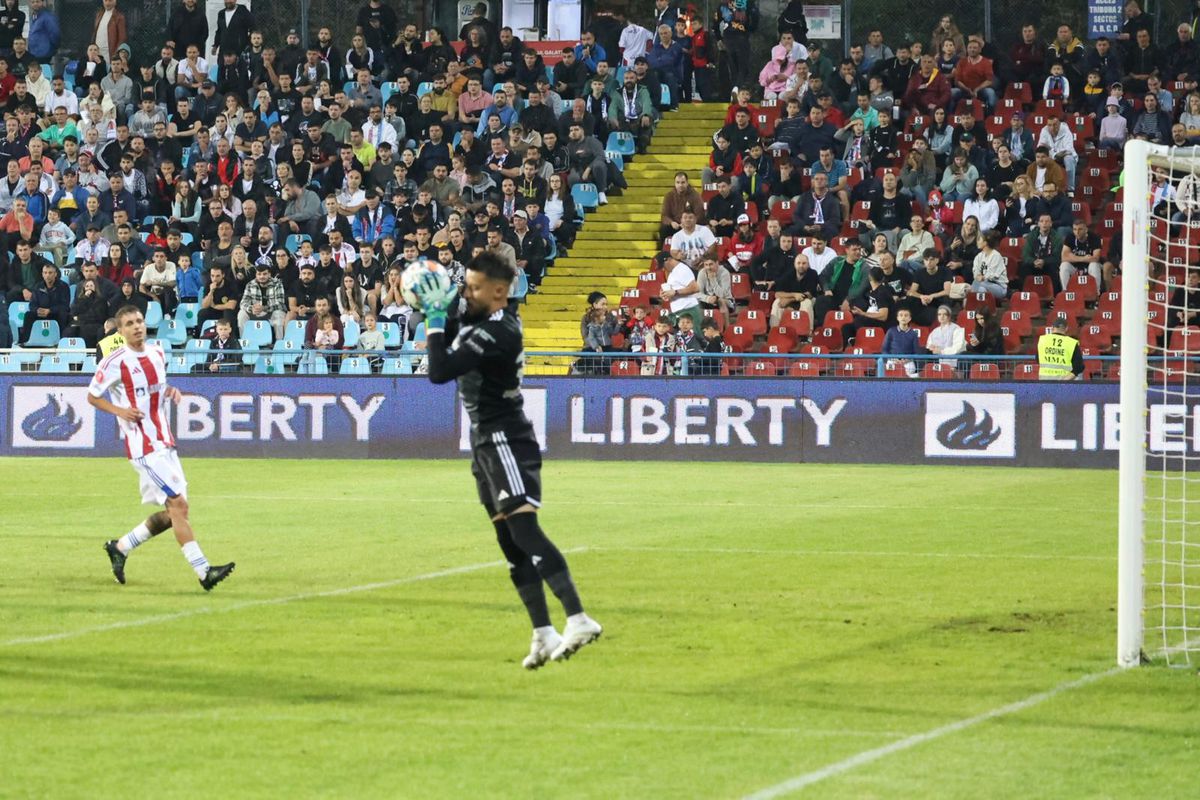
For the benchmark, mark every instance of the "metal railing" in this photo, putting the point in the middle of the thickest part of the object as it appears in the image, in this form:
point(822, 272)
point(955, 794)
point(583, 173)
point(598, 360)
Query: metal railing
point(194, 359)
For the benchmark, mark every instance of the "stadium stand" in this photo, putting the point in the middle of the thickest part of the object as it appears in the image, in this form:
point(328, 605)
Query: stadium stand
point(272, 193)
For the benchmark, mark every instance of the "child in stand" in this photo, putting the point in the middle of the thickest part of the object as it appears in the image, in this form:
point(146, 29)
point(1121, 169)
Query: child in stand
point(222, 357)
point(1114, 128)
point(660, 340)
point(636, 329)
point(711, 342)
point(1056, 87)
point(327, 336)
point(1092, 102)
point(56, 237)
point(371, 338)
point(686, 341)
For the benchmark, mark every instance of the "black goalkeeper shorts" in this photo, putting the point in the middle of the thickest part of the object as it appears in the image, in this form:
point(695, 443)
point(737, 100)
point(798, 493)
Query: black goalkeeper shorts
point(508, 471)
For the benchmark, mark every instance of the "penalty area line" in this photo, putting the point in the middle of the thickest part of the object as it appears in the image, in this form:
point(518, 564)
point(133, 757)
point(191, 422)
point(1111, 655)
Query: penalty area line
point(156, 619)
point(800, 782)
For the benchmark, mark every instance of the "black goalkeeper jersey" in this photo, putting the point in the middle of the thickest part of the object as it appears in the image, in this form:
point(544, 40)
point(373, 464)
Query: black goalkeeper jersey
point(488, 359)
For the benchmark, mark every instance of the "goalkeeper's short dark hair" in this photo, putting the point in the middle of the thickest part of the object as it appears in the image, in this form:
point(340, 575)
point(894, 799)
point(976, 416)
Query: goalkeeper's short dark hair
point(494, 267)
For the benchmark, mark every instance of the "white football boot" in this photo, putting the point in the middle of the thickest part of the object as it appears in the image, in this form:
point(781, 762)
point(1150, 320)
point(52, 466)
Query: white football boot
point(545, 642)
point(580, 630)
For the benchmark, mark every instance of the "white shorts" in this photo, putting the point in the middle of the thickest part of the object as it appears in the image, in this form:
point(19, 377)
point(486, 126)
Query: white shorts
point(160, 476)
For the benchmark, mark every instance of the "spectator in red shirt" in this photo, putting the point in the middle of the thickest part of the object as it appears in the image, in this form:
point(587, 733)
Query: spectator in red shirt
point(974, 77)
point(927, 89)
point(7, 80)
point(742, 247)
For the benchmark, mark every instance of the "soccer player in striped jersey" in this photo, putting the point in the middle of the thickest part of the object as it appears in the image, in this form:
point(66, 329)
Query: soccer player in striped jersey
point(485, 353)
point(131, 384)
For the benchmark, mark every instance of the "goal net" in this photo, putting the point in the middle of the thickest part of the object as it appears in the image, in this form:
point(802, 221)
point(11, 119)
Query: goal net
point(1159, 569)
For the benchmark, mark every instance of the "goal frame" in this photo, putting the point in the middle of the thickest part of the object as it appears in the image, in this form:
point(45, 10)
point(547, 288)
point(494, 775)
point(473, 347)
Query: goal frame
point(1135, 257)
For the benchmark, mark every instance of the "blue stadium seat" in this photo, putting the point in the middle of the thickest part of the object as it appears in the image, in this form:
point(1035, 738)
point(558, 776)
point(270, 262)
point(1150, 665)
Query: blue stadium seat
point(355, 366)
point(179, 365)
point(88, 367)
point(424, 88)
point(172, 331)
point(347, 86)
point(258, 333)
point(621, 142)
point(186, 238)
point(54, 364)
point(72, 343)
point(16, 316)
point(288, 350)
point(70, 287)
point(312, 364)
point(196, 350)
point(250, 351)
point(387, 90)
point(9, 364)
point(586, 195)
point(154, 315)
point(418, 337)
point(187, 313)
point(292, 243)
point(48, 72)
point(294, 331)
point(616, 159)
point(213, 69)
point(392, 335)
point(397, 366)
point(163, 343)
point(520, 287)
point(269, 365)
point(620, 75)
point(24, 356)
point(666, 95)
point(553, 254)
point(352, 331)
point(497, 87)
point(45, 333)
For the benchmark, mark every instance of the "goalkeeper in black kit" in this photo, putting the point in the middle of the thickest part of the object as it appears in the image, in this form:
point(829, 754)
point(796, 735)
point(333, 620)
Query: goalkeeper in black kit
point(484, 352)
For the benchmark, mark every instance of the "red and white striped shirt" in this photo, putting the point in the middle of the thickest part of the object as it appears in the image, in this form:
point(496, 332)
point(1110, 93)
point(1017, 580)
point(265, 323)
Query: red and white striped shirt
point(137, 380)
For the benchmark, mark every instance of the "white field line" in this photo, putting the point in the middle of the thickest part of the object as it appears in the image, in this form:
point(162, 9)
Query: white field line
point(141, 622)
point(800, 782)
point(843, 553)
point(232, 714)
point(201, 496)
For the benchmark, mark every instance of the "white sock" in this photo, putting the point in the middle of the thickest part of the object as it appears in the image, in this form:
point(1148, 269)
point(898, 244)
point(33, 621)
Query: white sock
point(545, 630)
point(577, 618)
point(195, 557)
point(137, 536)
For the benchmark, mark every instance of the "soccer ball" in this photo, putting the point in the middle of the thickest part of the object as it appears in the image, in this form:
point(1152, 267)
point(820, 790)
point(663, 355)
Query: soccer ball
point(414, 273)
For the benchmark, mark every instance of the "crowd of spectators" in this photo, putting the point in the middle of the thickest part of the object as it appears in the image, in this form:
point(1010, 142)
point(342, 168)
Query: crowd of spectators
point(268, 182)
point(934, 185)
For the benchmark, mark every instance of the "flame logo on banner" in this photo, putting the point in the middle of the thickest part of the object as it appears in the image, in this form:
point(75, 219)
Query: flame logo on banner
point(968, 431)
point(56, 421)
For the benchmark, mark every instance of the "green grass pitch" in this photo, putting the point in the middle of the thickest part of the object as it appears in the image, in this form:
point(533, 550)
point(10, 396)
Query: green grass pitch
point(763, 623)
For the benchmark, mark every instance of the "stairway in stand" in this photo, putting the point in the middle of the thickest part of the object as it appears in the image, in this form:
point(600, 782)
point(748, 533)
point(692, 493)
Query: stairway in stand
point(616, 242)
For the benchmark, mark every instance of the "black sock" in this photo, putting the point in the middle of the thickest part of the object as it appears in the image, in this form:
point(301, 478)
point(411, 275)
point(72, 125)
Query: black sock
point(524, 576)
point(550, 564)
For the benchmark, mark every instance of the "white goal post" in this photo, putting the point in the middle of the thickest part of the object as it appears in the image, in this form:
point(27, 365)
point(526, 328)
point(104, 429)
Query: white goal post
point(1158, 593)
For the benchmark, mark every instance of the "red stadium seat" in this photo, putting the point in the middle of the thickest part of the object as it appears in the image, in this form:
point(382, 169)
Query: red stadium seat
point(836, 319)
point(1018, 322)
point(894, 369)
point(855, 367)
point(937, 371)
point(762, 301)
point(632, 298)
point(869, 340)
point(1170, 371)
point(1071, 302)
point(798, 322)
point(1019, 91)
point(1028, 303)
point(1108, 320)
point(829, 338)
point(753, 321)
point(1185, 340)
point(783, 211)
point(1095, 338)
point(650, 283)
point(985, 372)
point(1012, 340)
point(738, 338)
point(1040, 285)
point(1084, 284)
point(740, 286)
point(1010, 247)
point(626, 367)
point(976, 300)
point(1026, 371)
point(761, 368)
point(716, 315)
point(807, 368)
point(783, 338)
